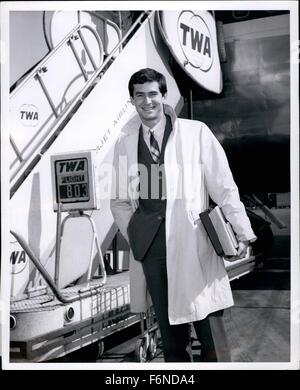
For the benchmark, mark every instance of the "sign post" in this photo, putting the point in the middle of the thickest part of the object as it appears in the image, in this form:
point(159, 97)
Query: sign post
point(75, 191)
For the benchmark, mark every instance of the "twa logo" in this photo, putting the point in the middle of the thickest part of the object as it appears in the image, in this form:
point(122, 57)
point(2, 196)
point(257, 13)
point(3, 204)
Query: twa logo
point(195, 40)
point(69, 166)
point(29, 115)
point(18, 258)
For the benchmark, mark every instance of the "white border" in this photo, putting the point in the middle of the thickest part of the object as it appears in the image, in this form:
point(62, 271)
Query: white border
point(148, 5)
point(295, 250)
point(292, 6)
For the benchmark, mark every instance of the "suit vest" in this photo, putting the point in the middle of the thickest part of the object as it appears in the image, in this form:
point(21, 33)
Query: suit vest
point(146, 220)
point(152, 181)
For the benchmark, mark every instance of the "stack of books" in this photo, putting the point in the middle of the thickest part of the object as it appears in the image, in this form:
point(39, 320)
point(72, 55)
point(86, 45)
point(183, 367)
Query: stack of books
point(219, 232)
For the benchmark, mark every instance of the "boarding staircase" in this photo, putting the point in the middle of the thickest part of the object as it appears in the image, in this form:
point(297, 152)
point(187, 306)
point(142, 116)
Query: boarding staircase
point(76, 98)
point(56, 91)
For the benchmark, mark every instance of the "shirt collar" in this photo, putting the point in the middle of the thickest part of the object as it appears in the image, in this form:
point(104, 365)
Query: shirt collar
point(158, 129)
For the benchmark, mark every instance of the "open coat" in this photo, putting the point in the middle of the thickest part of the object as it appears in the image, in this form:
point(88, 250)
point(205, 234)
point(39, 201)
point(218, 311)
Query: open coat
point(195, 167)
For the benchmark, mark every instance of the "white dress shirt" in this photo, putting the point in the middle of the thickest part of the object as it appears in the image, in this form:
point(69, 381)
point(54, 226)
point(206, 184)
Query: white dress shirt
point(158, 132)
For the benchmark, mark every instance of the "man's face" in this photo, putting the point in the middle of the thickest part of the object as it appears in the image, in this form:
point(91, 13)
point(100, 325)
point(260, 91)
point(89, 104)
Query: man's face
point(148, 102)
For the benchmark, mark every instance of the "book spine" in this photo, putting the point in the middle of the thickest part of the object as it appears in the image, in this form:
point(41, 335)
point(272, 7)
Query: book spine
point(211, 232)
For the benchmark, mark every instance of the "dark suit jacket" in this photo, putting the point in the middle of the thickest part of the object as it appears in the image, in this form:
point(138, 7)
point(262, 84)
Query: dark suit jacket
point(141, 231)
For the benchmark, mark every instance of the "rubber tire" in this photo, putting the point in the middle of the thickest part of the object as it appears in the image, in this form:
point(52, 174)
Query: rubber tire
point(152, 346)
point(140, 351)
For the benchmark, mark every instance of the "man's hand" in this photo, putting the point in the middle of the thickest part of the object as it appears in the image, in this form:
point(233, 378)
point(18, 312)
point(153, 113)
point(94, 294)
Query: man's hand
point(241, 251)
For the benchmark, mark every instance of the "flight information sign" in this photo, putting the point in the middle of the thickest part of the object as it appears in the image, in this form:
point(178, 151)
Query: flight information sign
point(74, 180)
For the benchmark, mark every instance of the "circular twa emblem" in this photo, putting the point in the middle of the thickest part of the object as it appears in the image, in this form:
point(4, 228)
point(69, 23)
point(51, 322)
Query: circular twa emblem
point(195, 40)
point(29, 115)
point(18, 258)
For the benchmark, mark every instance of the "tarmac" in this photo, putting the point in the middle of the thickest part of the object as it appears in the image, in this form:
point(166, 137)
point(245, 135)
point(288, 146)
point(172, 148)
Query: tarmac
point(258, 325)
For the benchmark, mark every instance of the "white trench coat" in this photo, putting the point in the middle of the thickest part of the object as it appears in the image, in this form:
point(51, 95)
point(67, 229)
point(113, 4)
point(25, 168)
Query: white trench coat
point(195, 166)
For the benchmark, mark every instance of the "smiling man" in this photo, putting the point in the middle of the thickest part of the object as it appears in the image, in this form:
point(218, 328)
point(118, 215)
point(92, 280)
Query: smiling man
point(148, 101)
point(172, 260)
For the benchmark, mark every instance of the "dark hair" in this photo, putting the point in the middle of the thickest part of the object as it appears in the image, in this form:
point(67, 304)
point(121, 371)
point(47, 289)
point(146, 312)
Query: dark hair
point(147, 75)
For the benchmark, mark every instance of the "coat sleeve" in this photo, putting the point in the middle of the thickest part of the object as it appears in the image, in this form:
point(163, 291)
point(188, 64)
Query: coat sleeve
point(221, 186)
point(120, 203)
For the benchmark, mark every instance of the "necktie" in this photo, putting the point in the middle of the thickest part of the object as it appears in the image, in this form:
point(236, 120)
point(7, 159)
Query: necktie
point(154, 148)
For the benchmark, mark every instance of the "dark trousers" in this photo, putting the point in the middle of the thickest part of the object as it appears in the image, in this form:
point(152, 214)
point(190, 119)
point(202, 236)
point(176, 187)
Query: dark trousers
point(175, 338)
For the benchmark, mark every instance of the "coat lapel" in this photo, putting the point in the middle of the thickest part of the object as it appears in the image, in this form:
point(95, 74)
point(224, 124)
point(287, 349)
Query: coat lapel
point(131, 147)
point(130, 142)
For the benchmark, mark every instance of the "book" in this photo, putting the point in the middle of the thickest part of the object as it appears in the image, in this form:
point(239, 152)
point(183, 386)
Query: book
point(219, 231)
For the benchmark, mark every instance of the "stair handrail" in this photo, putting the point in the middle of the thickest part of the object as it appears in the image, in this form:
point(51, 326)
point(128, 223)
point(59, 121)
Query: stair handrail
point(109, 22)
point(54, 288)
point(41, 68)
point(44, 60)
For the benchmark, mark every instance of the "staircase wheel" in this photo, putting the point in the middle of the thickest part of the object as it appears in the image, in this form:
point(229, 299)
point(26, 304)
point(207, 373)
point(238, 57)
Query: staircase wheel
point(140, 351)
point(152, 345)
point(100, 349)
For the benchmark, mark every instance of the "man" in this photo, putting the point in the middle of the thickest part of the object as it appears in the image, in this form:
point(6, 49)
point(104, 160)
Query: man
point(166, 168)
